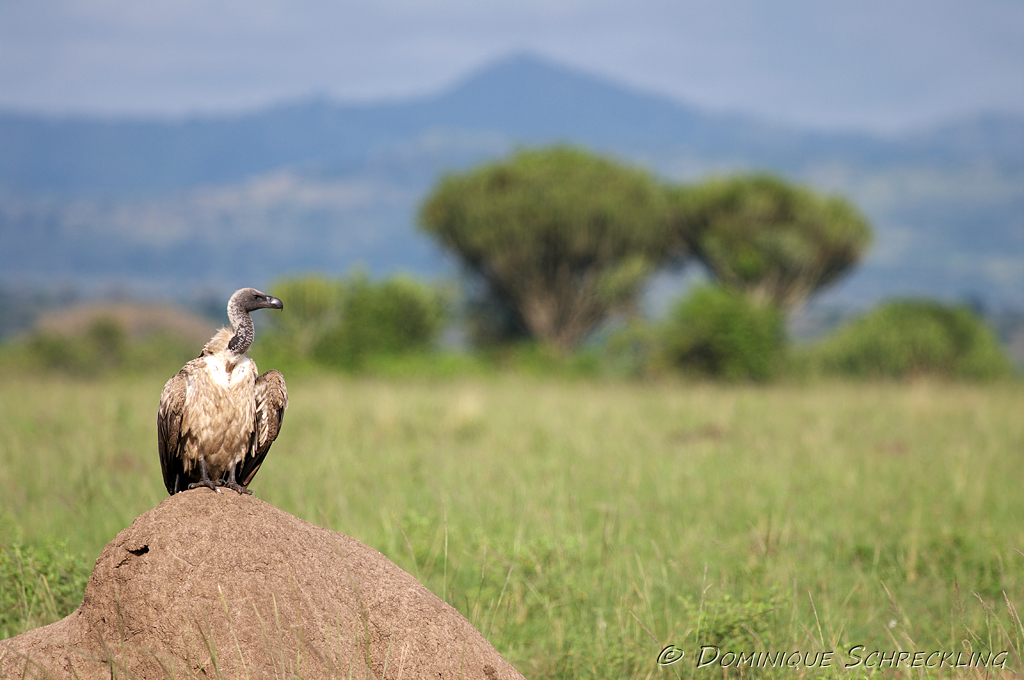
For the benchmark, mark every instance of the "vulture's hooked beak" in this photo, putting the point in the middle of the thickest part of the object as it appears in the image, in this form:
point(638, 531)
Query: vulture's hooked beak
point(274, 303)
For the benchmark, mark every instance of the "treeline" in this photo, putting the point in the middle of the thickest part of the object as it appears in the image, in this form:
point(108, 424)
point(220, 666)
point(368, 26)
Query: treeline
point(394, 326)
point(557, 246)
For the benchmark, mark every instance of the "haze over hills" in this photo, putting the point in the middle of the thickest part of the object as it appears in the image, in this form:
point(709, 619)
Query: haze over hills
point(210, 203)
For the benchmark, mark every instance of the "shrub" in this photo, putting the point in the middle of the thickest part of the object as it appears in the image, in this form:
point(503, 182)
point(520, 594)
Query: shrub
point(721, 333)
point(915, 337)
point(396, 316)
point(312, 309)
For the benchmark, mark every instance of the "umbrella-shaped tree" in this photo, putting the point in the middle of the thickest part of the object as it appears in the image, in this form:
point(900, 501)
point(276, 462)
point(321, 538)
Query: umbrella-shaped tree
point(560, 236)
point(773, 241)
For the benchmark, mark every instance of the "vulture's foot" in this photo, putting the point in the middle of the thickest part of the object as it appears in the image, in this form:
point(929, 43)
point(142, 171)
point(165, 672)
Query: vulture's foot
point(235, 486)
point(232, 483)
point(208, 483)
point(204, 478)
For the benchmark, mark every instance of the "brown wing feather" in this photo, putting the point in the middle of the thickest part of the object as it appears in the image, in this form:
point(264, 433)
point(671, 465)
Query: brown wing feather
point(168, 428)
point(271, 402)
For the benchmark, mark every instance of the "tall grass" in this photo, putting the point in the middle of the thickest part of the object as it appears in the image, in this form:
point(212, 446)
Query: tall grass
point(581, 526)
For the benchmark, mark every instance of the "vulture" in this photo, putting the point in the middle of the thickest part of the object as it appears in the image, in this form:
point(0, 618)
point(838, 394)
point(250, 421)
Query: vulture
point(217, 419)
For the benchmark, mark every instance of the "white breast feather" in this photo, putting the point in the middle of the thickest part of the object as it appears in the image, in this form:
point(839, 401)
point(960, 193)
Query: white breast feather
point(246, 365)
point(218, 370)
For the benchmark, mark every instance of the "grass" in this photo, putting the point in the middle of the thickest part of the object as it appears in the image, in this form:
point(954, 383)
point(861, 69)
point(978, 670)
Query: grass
point(584, 525)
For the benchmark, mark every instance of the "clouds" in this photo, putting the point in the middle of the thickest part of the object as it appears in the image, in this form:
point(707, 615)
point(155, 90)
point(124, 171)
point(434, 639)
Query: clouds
point(867, 64)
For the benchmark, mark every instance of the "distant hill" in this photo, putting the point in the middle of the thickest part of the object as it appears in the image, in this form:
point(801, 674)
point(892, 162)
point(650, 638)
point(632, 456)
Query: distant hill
point(164, 205)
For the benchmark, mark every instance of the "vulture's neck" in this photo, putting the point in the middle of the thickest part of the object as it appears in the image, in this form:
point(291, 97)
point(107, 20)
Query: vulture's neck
point(241, 323)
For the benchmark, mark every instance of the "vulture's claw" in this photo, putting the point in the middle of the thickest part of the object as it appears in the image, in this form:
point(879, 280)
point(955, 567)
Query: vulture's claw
point(235, 486)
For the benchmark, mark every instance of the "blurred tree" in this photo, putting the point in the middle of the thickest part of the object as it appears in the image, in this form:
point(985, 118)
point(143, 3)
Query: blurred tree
point(771, 240)
point(490, 321)
point(561, 237)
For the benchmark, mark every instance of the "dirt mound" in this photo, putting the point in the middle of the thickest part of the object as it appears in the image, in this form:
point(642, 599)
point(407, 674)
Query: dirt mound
point(220, 585)
point(137, 320)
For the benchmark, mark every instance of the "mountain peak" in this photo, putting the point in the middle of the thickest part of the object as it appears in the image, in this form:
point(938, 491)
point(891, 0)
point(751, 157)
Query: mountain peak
point(529, 97)
point(530, 74)
point(526, 66)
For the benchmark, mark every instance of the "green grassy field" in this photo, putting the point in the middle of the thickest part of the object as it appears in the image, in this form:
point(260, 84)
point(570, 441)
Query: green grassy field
point(582, 526)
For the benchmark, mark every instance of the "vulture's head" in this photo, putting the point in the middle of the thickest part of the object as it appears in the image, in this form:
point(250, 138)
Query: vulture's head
point(250, 299)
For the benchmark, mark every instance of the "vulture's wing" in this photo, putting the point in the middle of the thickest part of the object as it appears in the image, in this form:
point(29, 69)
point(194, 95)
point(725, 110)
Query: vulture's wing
point(271, 401)
point(168, 430)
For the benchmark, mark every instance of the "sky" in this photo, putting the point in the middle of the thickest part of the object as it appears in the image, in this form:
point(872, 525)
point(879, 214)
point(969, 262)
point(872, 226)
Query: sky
point(876, 65)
